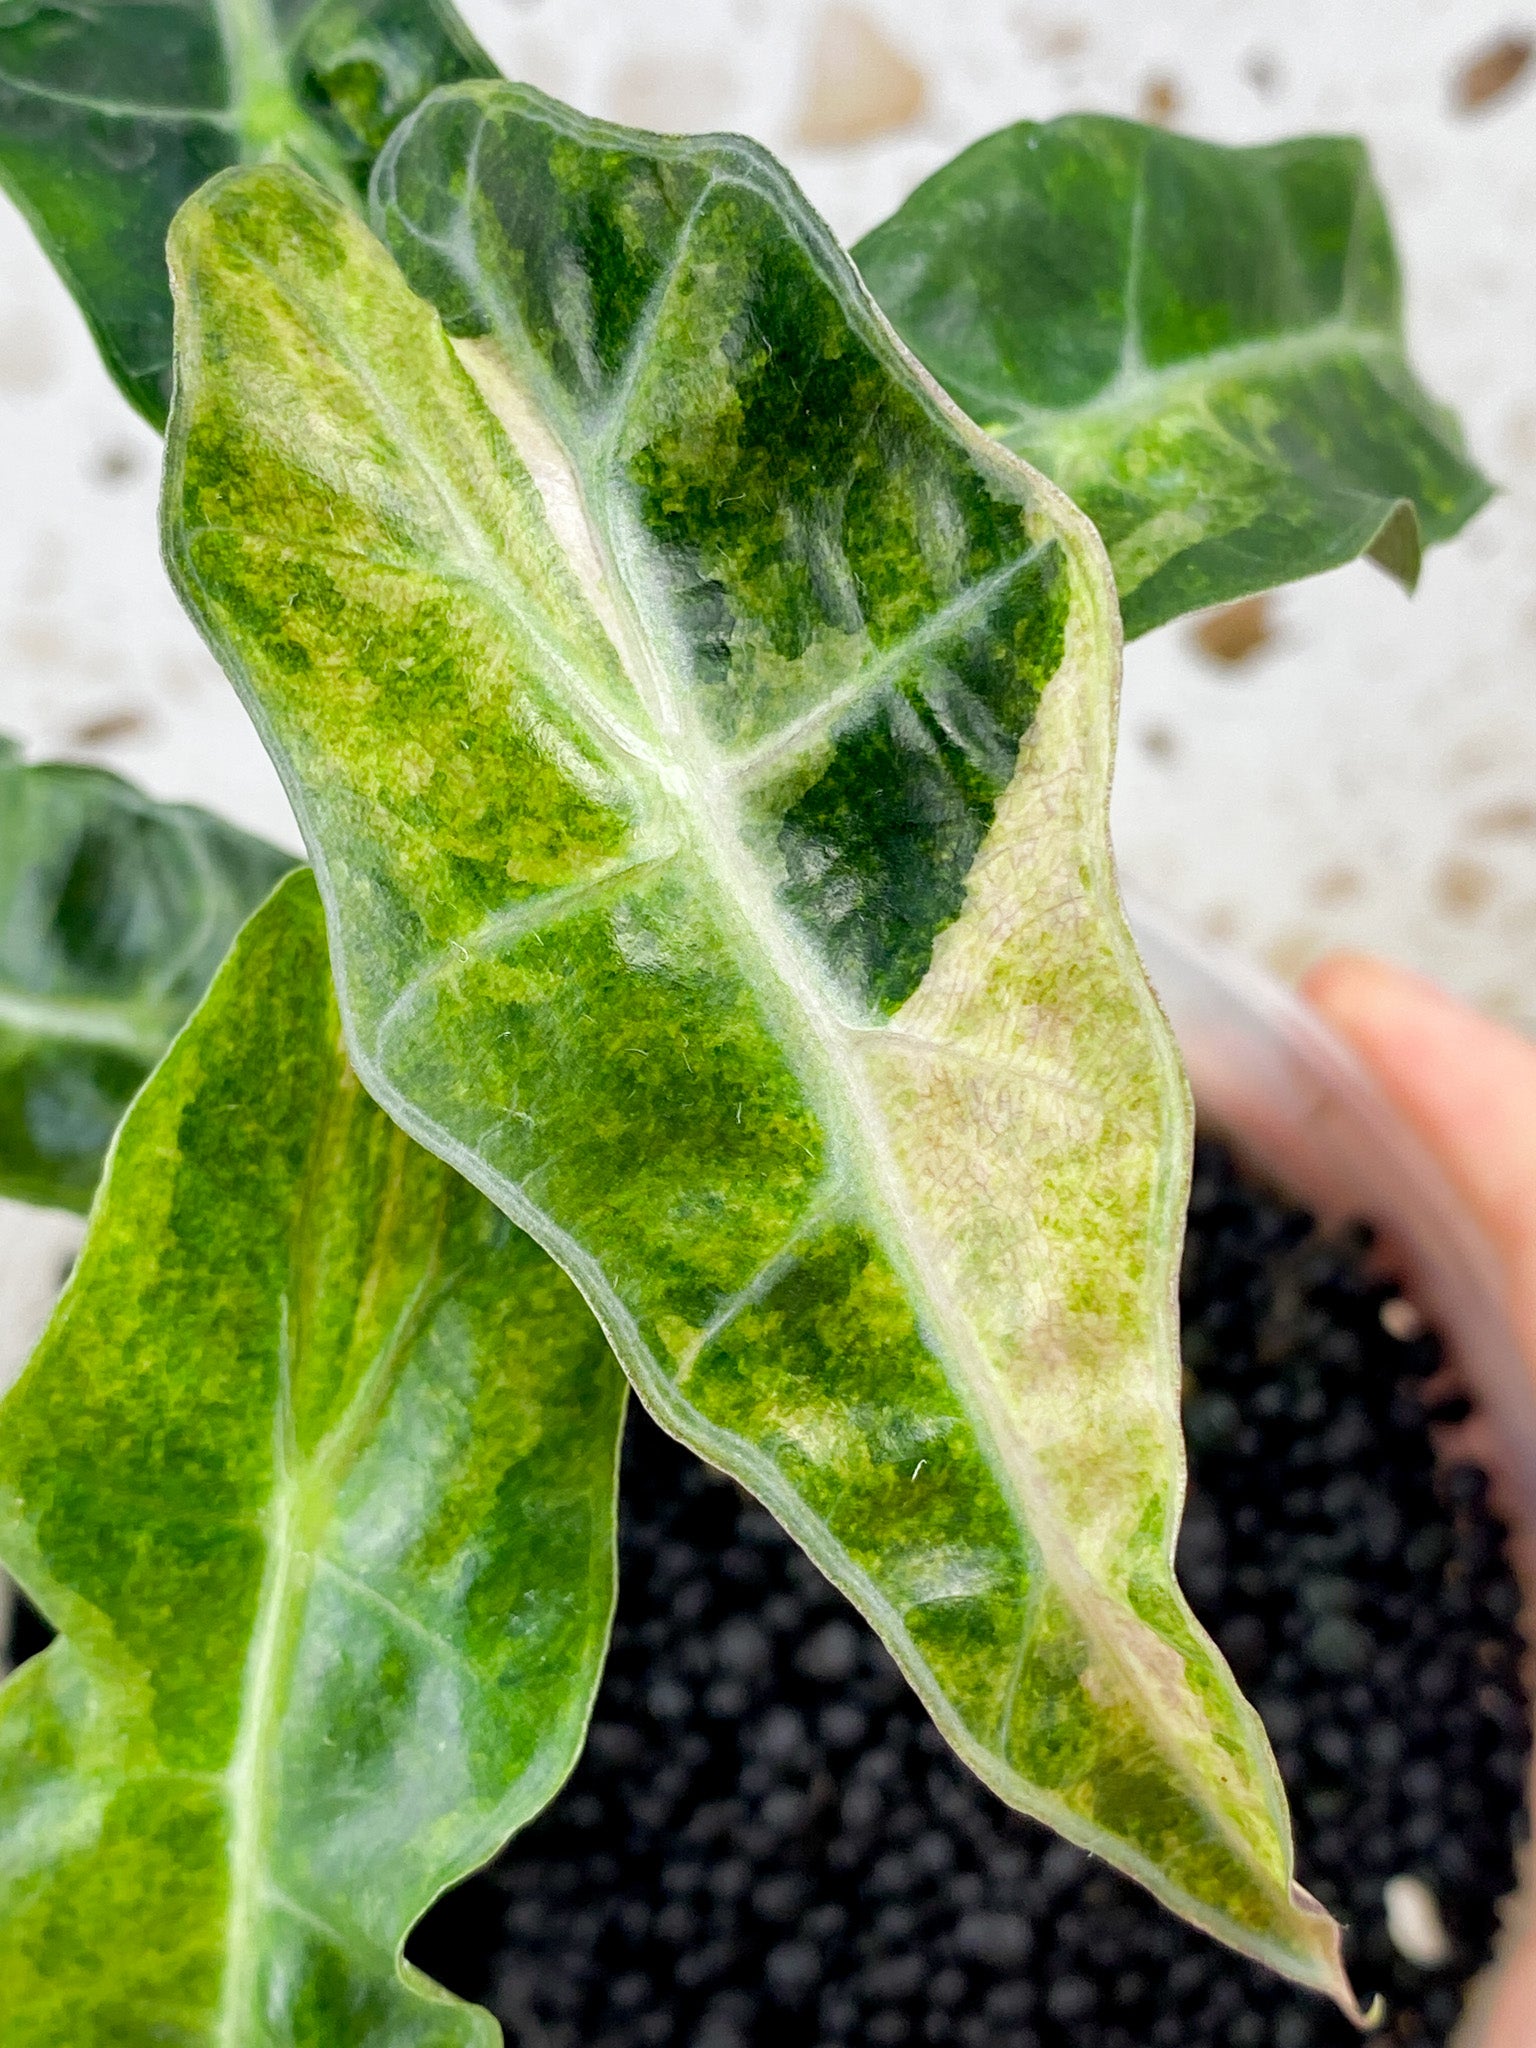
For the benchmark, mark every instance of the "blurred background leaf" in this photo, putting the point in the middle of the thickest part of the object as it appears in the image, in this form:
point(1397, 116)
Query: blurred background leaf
point(1203, 346)
point(115, 911)
point(112, 111)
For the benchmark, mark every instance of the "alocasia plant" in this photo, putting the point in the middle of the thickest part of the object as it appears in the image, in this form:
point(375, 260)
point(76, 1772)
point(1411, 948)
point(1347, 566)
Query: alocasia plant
point(113, 111)
point(314, 1470)
point(114, 912)
point(702, 733)
point(1202, 346)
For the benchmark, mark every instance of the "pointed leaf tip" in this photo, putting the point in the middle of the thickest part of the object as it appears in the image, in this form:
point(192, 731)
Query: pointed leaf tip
point(1398, 546)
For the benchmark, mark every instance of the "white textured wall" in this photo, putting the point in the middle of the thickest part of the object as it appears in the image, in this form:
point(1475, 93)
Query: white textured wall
point(1368, 777)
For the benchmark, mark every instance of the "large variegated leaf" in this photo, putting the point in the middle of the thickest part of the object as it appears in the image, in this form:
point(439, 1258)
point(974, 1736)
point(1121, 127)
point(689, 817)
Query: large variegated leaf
point(1203, 346)
point(314, 1468)
point(702, 734)
point(114, 912)
point(112, 111)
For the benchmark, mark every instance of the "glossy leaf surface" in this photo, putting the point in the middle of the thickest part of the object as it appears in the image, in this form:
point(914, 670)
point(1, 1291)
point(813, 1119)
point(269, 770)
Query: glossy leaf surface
point(1203, 346)
point(702, 734)
point(114, 912)
point(314, 1468)
point(113, 111)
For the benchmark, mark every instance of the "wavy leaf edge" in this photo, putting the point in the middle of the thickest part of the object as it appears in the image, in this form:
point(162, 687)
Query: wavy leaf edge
point(1320, 1945)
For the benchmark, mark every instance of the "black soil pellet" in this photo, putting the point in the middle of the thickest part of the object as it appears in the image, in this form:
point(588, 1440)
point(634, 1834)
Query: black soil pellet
point(765, 1840)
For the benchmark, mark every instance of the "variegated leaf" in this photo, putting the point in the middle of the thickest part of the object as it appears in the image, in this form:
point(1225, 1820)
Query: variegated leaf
point(314, 1469)
point(702, 734)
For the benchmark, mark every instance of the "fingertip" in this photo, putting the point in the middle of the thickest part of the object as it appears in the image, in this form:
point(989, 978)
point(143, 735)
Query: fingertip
point(1413, 1033)
point(1343, 971)
point(1467, 1084)
point(1356, 987)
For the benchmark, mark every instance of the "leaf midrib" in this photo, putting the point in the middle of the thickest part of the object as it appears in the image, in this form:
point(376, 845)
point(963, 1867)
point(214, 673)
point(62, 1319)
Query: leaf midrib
point(703, 790)
point(304, 1499)
point(486, 569)
point(1130, 398)
point(255, 66)
point(265, 111)
point(254, 58)
point(136, 1027)
point(708, 792)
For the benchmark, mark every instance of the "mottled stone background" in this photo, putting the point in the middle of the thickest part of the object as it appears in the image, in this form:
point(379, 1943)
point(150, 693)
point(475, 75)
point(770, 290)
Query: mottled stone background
point(1340, 765)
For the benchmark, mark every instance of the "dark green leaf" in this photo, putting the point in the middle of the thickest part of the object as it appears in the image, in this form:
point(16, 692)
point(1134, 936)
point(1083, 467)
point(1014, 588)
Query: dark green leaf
point(702, 733)
point(112, 111)
point(314, 1468)
point(114, 912)
point(1203, 346)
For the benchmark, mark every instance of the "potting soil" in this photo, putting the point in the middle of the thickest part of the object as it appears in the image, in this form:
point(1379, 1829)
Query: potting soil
point(766, 1841)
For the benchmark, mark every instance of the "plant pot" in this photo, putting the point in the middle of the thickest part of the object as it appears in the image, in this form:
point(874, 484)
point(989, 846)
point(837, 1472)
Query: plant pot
point(1299, 1108)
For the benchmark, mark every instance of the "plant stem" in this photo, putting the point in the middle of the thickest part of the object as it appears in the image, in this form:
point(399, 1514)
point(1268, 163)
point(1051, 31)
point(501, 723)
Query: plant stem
point(271, 123)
